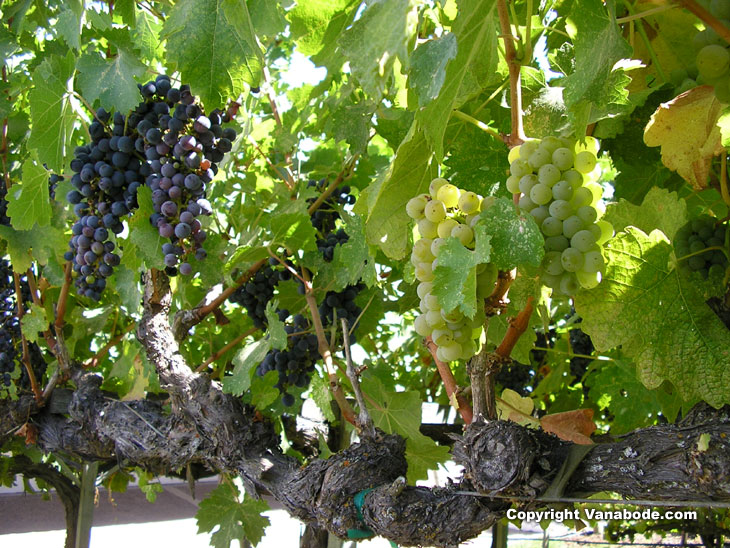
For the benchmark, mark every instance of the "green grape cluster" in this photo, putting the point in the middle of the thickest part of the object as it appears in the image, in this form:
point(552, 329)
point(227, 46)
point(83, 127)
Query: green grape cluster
point(699, 246)
point(447, 212)
point(555, 181)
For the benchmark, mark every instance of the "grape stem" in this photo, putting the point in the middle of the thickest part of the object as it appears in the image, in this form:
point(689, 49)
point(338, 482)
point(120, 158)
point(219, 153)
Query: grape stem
point(63, 297)
point(517, 133)
point(647, 44)
point(225, 349)
point(342, 176)
point(481, 125)
point(96, 358)
point(324, 350)
point(447, 377)
point(641, 15)
point(364, 420)
point(701, 251)
point(707, 18)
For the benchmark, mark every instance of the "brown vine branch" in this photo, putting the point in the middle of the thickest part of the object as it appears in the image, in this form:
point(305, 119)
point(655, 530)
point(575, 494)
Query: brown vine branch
point(517, 327)
point(324, 350)
point(343, 175)
point(225, 349)
point(364, 420)
point(497, 301)
point(35, 297)
point(517, 134)
point(707, 18)
point(447, 377)
point(63, 297)
point(103, 351)
point(24, 342)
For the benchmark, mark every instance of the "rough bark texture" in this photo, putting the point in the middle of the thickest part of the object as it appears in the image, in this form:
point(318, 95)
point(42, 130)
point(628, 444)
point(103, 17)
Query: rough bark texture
point(207, 427)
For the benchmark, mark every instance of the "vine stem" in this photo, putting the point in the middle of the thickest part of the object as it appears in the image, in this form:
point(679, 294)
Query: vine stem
point(516, 328)
point(447, 377)
point(364, 420)
point(707, 18)
point(641, 15)
point(343, 175)
point(517, 134)
point(647, 44)
point(103, 351)
point(63, 297)
point(50, 341)
point(225, 349)
point(288, 179)
point(24, 342)
point(478, 123)
point(324, 350)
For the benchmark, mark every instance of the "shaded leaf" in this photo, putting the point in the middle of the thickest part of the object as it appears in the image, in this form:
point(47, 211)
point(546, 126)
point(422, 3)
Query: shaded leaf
point(28, 202)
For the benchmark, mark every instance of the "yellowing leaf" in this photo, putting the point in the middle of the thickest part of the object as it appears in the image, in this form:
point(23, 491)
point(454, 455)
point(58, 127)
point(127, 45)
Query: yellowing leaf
point(512, 406)
point(686, 129)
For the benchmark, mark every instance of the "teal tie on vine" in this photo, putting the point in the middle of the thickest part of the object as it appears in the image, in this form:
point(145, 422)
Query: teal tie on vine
point(354, 534)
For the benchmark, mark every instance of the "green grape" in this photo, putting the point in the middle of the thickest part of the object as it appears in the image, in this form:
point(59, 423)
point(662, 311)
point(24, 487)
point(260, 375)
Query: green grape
point(435, 211)
point(563, 158)
point(696, 262)
point(588, 143)
point(551, 144)
point(436, 245)
point(473, 219)
point(585, 161)
point(485, 283)
point(454, 316)
point(514, 154)
point(593, 261)
point(587, 214)
point(527, 182)
point(432, 302)
point(722, 90)
point(571, 225)
point(442, 337)
point(427, 229)
point(552, 263)
point(434, 319)
point(461, 335)
point(422, 306)
point(550, 280)
point(423, 289)
point(540, 194)
point(519, 168)
point(583, 240)
point(424, 272)
point(435, 185)
point(560, 209)
point(582, 197)
point(539, 158)
point(594, 229)
point(449, 195)
point(469, 202)
point(468, 349)
point(572, 259)
point(526, 204)
point(446, 226)
point(422, 327)
point(527, 148)
point(556, 243)
point(563, 190)
point(513, 184)
point(451, 352)
point(463, 233)
point(548, 174)
point(697, 246)
point(569, 284)
point(415, 206)
point(588, 280)
point(552, 226)
point(606, 231)
point(434, 264)
point(712, 61)
point(422, 250)
point(705, 38)
point(574, 177)
point(540, 214)
point(596, 192)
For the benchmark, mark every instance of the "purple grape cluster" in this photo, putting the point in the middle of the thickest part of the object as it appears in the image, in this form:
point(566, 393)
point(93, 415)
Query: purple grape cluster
point(341, 304)
point(325, 218)
point(255, 294)
point(53, 181)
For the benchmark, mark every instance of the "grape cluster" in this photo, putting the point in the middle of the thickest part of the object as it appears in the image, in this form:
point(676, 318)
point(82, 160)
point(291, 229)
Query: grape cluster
point(295, 363)
point(341, 304)
point(11, 351)
point(183, 147)
point(696, 246)
point(256, 293)
point(324, 219)
point(107, 174)
point(553, 179)
point(446, 212)
point(53, 181)
point(712, 62)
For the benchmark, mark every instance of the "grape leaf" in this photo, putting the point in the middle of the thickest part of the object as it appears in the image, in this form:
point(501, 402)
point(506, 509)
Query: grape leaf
point(245, 361)
point(388, 224)
point(38, 244)
point(455, 279)
point(125, 8)
point(34, 322)
point(210, 42)
point(145, 237)
point(322, 397)
point(474, 65)
point(128, 287)
point(310, 20)
point(614, 385)
point(263, 390)
point(50, 110)
point(350, 121)
point(689, 152)
point(675, 321)
point(28, 202)
point(69, 23)
point(275, 333)
point(110, 81)
point(267, 17)
point(371, 60)
point(428, 67)
point(234, 516)
point(576, 426)
point(400, 413)
point(291, 226)
point(515, 238)
point(145, 35)
point(661, 209)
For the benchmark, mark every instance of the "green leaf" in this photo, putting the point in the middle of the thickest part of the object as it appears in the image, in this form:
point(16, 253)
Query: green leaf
point(245, 363)
point(150, 489)
point(310, 20)
point(322, 396)
point(69, 23)
point(661, 210)
point(267, 17)
point(127, 285)
point(290, 226)
point(210, 42)
point(387, 223)
point(613, 385)
point(473, 67)
point(598, 46)
point(428, 67)
point(125, 8)
point(263, 390)
point(724, 124)
point(145, 237)
point(38, 244)
point(400, 413)
point(34, 322)
point(351, 122)
point(234, 516)
point(371, 60)
point(146, 35)
point(675, 321)
point(455, 281)
point(515, 238)
point(28, 202)
point(110, 81)
point(52, 118)
point(275, 332)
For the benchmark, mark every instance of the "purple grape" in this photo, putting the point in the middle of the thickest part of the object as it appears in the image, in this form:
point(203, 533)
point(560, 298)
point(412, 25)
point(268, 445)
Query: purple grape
point(182, 230)
point(186, 269)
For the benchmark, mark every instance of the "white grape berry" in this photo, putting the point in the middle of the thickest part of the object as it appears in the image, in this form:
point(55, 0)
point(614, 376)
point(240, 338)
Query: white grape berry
point(415, 206)
point(435, 211)
point(427, 229)
point(449, 195)
point(469, 202)
point(435, 185)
